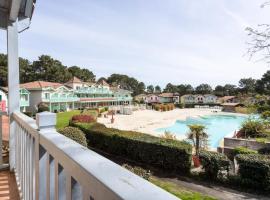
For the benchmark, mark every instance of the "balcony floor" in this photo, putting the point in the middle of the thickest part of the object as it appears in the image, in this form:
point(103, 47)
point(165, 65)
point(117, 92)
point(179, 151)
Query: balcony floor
point(8, 186)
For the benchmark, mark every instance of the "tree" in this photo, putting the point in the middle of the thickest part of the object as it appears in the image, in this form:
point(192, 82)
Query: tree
point(263, 85)
point(170, 88)
point(157, 89)
point(126, 82)
point(230, 89)
point(198, 136)
point(203, 89)
point(48, 69)
point(259, 40)
point(150, 89)
point(184, 89)
point(219, 90)
point(84, 74)
point(247, 85)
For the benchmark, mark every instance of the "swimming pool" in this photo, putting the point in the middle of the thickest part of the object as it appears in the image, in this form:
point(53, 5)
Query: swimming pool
point(217, 126)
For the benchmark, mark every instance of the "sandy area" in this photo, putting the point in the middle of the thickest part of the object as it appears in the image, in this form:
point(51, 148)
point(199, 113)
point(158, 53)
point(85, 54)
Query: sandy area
point(147, 121)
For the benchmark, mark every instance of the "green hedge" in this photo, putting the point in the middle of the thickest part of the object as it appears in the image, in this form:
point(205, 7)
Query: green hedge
point(214, 163)
point(254, 170)
point(75, 134)
point(243, 150)
point(158, 152)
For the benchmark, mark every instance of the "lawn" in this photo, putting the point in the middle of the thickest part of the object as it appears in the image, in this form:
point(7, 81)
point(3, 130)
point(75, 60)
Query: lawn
point(181, 193)
point(64, 117)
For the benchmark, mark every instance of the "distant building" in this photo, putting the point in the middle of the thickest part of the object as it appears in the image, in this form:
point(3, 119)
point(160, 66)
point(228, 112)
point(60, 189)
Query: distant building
point(231, 107)
point(75, 94)
point(228, 99)
point(24, 99)
point(199, 99)
point(140, 97)
point(162, 98)
point(57, 96)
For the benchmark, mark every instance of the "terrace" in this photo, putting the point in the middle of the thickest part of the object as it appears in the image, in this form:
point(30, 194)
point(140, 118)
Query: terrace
point(46, 164)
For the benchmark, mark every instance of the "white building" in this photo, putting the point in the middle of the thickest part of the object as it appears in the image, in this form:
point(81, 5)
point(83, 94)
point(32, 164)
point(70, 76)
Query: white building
point(199, 99)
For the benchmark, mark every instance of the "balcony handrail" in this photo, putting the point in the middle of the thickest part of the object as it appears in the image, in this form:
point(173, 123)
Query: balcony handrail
point(48, 163)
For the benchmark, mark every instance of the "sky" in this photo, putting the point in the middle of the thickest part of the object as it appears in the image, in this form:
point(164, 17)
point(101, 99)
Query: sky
point(155, 41)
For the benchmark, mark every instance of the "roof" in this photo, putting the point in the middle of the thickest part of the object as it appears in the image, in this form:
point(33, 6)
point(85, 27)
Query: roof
point(166, 95)
point(231, 104)
point(103, 83)
point(74, 80)
point(40, 85)
point(5, 89)
point(226, 98)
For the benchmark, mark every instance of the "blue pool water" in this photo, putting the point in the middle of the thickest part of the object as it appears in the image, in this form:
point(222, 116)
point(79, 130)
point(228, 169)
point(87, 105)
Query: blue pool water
point(217, 126)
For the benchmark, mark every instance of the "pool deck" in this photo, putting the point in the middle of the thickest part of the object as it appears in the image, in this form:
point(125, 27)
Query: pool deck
point(147, 121)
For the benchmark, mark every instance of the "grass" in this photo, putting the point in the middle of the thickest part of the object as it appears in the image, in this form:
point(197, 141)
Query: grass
point(179, 192)
point(64, 117)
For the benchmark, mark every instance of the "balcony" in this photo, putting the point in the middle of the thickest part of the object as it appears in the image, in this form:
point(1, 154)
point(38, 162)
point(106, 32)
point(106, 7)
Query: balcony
point(50, 166)
point(60, 99)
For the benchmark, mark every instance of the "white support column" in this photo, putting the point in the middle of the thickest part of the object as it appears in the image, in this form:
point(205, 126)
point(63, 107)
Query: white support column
point(13, 85)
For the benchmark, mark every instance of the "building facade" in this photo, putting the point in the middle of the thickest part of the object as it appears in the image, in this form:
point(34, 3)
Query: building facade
point(162, 98)
point(24, 99)
point(75, 94)
point(199, 99)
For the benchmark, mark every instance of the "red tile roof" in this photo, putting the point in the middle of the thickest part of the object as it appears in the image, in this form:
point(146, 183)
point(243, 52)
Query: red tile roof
point(74, 80)
point(40, 84)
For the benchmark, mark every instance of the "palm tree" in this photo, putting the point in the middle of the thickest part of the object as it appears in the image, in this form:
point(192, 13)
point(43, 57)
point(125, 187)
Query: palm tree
point(198, 136)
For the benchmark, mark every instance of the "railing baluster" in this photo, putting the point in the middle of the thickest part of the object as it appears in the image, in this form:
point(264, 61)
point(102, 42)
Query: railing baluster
point(36, 169)
point(56, 195)
point(31, 165)
point(47, 176)
point(68, 186)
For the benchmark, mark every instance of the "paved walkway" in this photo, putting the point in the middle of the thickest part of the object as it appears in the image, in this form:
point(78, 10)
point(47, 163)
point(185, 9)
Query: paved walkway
point(218, 192)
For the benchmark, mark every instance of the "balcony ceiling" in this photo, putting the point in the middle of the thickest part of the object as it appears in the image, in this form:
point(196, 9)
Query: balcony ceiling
point(11, 10)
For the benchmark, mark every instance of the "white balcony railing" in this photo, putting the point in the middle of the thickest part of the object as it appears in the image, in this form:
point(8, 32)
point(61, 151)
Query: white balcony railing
point(50, 166)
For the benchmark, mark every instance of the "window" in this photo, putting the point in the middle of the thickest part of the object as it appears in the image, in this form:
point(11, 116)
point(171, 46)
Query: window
point(47, 95)
point(77, 87)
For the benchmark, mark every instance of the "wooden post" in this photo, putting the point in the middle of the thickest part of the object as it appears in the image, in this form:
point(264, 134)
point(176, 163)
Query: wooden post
point(13, 85)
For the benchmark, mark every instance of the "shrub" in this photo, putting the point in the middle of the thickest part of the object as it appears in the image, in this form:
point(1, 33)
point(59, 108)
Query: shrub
point(168, 135)
point(243, 150)
point(29, 114)
point(158, 152)
point(157, 107)
point(254, 170)
point(75, 134)
point(214, 163)
point(43, 107)
point(138, 171)
point(265, 114)
point(83, 119)
point(252, 128)
point(265, 151)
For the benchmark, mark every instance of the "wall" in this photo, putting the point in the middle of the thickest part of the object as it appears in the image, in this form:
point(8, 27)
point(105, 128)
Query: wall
point(34, 100)
point(251, 144)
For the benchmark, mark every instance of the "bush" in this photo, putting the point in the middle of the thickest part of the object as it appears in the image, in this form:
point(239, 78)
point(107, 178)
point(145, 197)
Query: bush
point(43, 107)
point(265, 114)
point(138, 171)
point(83, 119)
point(75, 134)
point(214, 163)
point(264, 151)
point(158, 152)
point(254, 170)
point(243, 150)
point(29, 114)
point(252, 128)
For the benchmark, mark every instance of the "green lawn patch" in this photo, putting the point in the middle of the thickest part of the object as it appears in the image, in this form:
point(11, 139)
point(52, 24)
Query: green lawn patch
point(64, 117)
point(179, 192)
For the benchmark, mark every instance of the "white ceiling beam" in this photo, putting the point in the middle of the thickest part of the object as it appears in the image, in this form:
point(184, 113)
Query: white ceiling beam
point(14, 10)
